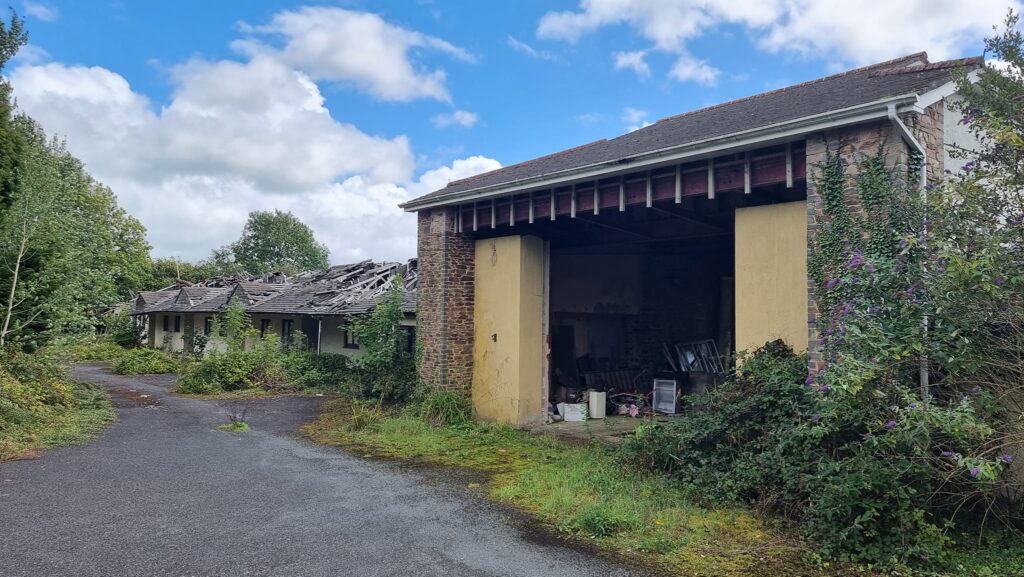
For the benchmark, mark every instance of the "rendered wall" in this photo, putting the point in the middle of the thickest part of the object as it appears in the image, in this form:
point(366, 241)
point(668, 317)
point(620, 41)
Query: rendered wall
point(508, 319)
point(771, 275)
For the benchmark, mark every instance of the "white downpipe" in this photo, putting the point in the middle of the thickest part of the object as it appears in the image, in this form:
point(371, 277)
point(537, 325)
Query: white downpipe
point(909, 138)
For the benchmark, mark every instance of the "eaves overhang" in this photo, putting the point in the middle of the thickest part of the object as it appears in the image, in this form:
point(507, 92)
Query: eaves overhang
point(756, 137)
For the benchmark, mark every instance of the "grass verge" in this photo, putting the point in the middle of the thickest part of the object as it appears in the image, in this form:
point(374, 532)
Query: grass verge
point(235, 427)
point(78, 423)
point(580, 491)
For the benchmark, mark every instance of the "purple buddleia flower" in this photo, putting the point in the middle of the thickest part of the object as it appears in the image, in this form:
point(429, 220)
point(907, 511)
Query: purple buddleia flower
point(903, 243)
point(870, 267)
point(855, 261)
point(890, 425)
point(970, 165)
point(974, 471)
point(975, 390)
point(970, 116)
point(913, 405)
point(947, 454)
point(1006, 458)
point(823, 389)
point(1000, 279)
point(817, 418)
point(810, 378)
point(831, 283)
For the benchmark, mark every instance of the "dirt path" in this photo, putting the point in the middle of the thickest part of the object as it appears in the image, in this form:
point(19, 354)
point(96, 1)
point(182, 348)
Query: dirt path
point(163, 493)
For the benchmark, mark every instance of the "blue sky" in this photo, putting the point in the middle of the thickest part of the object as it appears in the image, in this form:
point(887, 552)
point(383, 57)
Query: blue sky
point(197, 112)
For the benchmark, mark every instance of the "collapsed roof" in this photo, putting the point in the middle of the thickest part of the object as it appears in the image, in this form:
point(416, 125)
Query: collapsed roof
point(340, 290)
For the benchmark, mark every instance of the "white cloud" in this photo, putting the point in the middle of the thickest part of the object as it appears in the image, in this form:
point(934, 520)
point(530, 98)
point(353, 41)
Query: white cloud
point(699, 71)
point(589, 117)
point(455, 118)
point(829, 30)
point(520, 46)
point(31, 54)
point(634, 118)
point(234, 137)
point(633, 61)
point(1005, 67)
point(41, 11)
point(357, 48)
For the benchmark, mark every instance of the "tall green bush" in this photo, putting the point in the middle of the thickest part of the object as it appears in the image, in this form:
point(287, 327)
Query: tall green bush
point(386, 367)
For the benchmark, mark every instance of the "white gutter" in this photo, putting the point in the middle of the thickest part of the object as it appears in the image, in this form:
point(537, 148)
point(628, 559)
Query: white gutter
point(923, 376)
point(698, 150)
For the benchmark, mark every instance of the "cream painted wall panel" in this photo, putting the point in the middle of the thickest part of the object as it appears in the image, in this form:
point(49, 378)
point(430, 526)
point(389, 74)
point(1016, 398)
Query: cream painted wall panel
point(508, 318)
point(771, 275)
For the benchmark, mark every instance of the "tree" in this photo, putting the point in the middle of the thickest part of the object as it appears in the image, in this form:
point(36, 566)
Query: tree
point(278, 242)
point(12, 37)
point(70, 251)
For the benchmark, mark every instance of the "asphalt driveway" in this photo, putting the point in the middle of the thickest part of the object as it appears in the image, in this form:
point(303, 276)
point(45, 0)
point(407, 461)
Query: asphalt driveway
point(163, 493)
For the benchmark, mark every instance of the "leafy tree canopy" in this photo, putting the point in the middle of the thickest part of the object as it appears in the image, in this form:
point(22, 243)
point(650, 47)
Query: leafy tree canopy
point(278, 242)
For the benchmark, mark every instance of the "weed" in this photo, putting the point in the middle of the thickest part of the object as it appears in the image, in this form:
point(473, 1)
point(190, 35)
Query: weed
point(235, 427)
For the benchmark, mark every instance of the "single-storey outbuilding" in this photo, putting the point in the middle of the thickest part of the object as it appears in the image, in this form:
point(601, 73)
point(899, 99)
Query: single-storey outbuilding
point(316, 303)
point(597, 262)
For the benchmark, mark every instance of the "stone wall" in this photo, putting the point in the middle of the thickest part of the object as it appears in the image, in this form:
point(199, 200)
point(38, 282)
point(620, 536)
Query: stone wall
point(445, 314)
point(855, 144)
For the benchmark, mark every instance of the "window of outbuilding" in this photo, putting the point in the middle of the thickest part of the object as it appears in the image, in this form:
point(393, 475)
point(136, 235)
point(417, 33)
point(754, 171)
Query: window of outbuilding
point(410, 339)
point(286, 329)
point(351, 342)
point(177, 323)
point(208, 325)
point(264, 326)
point(167, 323)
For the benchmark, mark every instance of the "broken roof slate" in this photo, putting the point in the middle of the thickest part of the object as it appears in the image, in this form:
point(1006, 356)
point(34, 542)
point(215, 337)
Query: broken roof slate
point(911, 74)
point(340, 290)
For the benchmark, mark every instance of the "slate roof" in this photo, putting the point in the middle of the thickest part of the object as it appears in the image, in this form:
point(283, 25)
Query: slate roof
point(340, 290)
point(911, 74)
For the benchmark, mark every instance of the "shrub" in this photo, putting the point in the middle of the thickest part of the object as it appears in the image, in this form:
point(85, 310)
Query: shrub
point(123, 329)
point(143, 362)
point(737, 444)
point(386, 369)
point(102, 349)
point(325, 371)
point(32, 386)
point(261, 366)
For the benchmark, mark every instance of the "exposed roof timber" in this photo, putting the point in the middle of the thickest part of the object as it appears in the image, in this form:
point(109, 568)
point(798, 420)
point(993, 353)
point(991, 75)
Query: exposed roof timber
point(704, 149)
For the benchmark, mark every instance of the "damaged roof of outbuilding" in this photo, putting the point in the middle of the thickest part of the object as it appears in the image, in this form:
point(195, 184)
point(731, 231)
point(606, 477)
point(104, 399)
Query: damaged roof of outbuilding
point(911, 75)
point(339, 290)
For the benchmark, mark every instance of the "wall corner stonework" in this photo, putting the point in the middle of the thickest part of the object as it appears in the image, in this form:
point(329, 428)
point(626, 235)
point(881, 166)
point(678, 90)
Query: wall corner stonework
point(445, 295)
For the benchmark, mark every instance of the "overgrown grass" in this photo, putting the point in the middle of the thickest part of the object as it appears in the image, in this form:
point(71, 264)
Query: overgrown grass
point(89, 412)
point(583, 492)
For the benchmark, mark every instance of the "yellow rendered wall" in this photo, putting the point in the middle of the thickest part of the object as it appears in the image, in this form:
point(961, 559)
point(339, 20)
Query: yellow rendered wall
point(771, 275)
point(508, 319)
